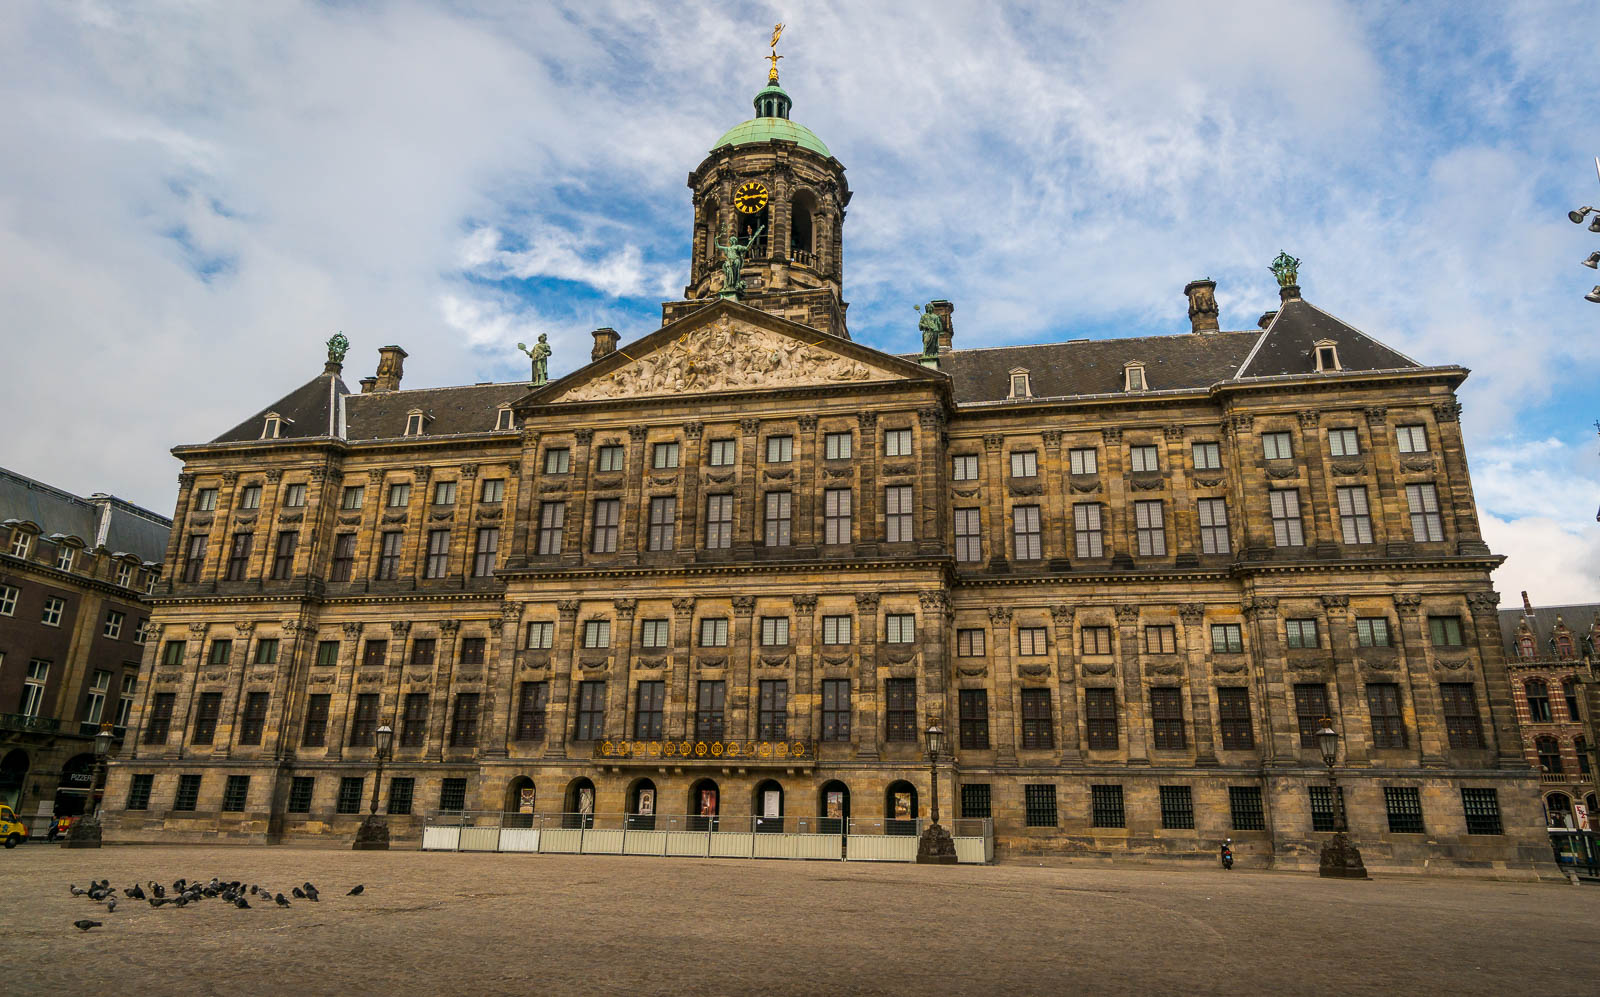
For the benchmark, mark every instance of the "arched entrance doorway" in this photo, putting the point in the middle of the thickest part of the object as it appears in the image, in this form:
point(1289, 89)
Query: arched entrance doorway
point(705, 804)
point(578, 808)
point(833, 806)
point(900, 808)
point(13, 773)
point(642, 805)
point(768, 807)
point(77, 783)
point(521, 798)
point(1558, 810)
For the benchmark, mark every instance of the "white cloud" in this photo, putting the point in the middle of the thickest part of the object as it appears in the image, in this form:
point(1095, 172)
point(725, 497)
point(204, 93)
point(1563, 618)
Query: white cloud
point(1537, 501)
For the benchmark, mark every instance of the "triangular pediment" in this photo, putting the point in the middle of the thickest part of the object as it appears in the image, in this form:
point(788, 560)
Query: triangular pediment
point(727, 347)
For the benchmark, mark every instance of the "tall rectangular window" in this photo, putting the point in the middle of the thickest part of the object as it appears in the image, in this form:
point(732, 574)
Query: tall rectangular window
point(774, 631)
point(778, 522)
point(438, 564)
point(664, 455)
point(1404, 807)
point(207, 709)
point(130, 685)
point(837, 512)
point(964, 467)
point(95, 705)
point(1150, 528)
point(897, 513)
point(1444, 631)
point(1355, 521)
point(349, 799)
point(375, 654)
point(1482, 810)
point(1038, 732)
point(721, 453)
point(1100, 712)
point(353, 497)
point(188, 793)
point(53, 608)
point(780, 449)
point(1301, 633)
point(900, 628)
point(1096, 640)
point(344, 557)
point(33, 687)
point(1027, 539)
point(316, 729)
point(399, 495)
point(402, 790)
point(1372, 631)
point(444, 493)
point(1166, 717)
point(970, 642)
point(1039, 805)
point(159, 724)
point(283, 554)
point(836, 630)
point(772, 717)
point(1285, 506)
point(221, 651)
point(464, 721)
point(709, 715)
point(837, 446)
point(606, 513)
point(1025, 464)
point(1088, 535)
point(1310, 707)
point(552, 526)
point(597, 633)
point(1213, 525)
point(1423, 502)
point(239, 556)
point(649, 702)
point(591, 711)
point(1161, 639)
point(969, 540)
point(1082, 460)
point(1324, 812)
point(1105, 806)
point(453, 794)
point(653, 633)
point(897, 443)
point(301, 788)
point(1388, 724)
point(976, 800)
point(194, 557)
point(327, 652)
point(1343, 443)
point(414, 720)
point(1411, 439)
point(8, 600)
point(494, 490)
point(389, 556)
point(1245, 804)
point(663, 522)
point(1277, 446)
point(1143, 459)
point(608, 458)
point(364, 724)
point(1461, 722)
point(1032, 641)
point(250, 497)
point(1207, 457)
point(234, 793)
point(1233, 709)
point(900, 709)
point(836, 709)
point(255, 717)
point(205, 500)
point(1227, 638)
point(973, 709)
point(139, 791)
point(714, 631)
point(719, 522)
point(1177, 808)
point(483, 554)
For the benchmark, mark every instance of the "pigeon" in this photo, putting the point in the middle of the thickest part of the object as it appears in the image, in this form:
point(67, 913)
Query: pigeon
point(281, 901)
point(111, 905)
point(299, 894)
point(311, 893)
point(241, 903)
point(158, 889)
point(182, 901)
point(86, 925)
point(77, 892)
point(356, 891)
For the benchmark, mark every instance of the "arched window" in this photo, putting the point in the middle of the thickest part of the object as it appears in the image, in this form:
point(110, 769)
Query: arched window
point(579, 804)
point(705, 803)
point(802, 228)
point(1580, 744)
point(1549, 750)
point(642, 806)
point(768, 807)
point(1569, 692)
point(900, 808)
point(1525, 647)
point(1538, 700)
point(1564, 647)
point(1558, 810)
point(519, 805)
point(833, 804)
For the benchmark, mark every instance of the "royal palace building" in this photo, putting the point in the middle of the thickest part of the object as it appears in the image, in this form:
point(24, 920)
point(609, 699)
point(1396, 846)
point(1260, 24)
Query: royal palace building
point(737, 566)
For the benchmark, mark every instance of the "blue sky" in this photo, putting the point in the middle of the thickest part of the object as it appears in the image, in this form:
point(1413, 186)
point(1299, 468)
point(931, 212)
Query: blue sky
point(195, 195)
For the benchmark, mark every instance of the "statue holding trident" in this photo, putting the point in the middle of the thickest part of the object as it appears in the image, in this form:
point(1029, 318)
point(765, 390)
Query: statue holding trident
point(540, 355)
point(733, 254)
point(931, 325)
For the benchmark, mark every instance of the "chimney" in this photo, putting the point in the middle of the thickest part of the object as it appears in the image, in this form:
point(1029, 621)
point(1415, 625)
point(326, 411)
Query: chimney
point(1266, 319)
point(368, 385)
point(605, 343)
point(944, 310)
point(391, 364)
point(1527, 607)
point(1202, 304)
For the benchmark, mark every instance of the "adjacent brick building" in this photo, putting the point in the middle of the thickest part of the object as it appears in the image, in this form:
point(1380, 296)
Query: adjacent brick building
point(74, 576)
point(739, 564)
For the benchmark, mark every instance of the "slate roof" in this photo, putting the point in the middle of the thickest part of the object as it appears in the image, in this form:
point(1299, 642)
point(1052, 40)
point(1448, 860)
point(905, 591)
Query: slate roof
point(471, 408)
point(1286, 345)
point(1578, 619)
point(97, 521)
point(310, 411)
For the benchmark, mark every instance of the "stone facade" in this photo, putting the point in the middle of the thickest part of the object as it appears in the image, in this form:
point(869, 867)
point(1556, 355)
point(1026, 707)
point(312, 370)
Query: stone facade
point(1096, 537)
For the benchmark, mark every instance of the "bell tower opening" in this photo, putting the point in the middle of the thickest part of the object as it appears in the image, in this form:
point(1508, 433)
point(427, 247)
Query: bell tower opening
point(802, 224)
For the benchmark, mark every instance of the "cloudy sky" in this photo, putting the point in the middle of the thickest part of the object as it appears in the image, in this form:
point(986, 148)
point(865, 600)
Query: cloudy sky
point(194, 195)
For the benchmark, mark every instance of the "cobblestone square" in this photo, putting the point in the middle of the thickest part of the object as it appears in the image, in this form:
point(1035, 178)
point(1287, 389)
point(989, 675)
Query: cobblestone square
point(489, 924)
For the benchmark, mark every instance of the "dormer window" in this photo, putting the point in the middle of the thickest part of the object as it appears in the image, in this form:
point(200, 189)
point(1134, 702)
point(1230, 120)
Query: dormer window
point(272, 426)
point(20, 542)
point(64, 558)
point(503, 419)
point(416, 422)
point(1020, 388)
point(1133, 377)
point(1327, 355)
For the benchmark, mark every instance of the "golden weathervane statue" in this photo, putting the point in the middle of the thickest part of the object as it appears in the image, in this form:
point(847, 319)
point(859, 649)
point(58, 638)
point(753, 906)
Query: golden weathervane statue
point(777, 32)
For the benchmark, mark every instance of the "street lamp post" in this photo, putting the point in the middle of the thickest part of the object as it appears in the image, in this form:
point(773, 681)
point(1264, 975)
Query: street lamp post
point(1340, 858)
point(936, 846)
point(85, 831)
point(373, 834)
point(1593, 259)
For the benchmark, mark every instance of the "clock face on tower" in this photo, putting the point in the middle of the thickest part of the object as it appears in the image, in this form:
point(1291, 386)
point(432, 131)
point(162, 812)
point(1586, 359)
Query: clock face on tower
point(750, 198)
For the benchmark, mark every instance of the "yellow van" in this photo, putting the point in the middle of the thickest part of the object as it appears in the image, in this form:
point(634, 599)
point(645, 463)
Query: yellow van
point(12, 831)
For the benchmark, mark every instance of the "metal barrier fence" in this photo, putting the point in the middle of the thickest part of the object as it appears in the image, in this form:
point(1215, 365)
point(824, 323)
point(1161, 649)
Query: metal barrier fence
point(696, 836)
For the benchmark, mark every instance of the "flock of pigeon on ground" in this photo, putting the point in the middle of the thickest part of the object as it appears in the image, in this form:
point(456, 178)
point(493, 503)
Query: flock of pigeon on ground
point(184, 893)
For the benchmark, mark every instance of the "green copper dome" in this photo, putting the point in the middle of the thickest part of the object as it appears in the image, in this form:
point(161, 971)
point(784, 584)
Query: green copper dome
point(772, 122)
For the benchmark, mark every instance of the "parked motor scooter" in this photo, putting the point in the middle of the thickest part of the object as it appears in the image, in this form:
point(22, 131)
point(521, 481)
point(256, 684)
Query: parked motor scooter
point(1227, 854)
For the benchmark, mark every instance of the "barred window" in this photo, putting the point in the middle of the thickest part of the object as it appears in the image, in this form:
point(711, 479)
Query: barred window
point(1324, 816)
point(591, 711)
point(714, 631)
point(1285, 506)
point(606, 515)
point(557, 460)
point(900, 709)
point(531, 700)
point(1277, 446)
point(438, 563)
point(1461, 722)
point(1100, 713)
point(1310, 707)
point(649, 702)
point(1245, 804)
point(664, 455)
point(974, 716)
point(1404, 804)
point(609, 458)
point(1177, 808)
point(234, 793)
point(1372, 631)
point(1301, 633)
point(1482, 809)
point(1227, 638)
point(964, 467)
point(1213, 526)
point(711, 696)
point(900, 628)
point(719, 522)
point(1032, 641)
point(1233, 709)
point(401, 791)
point(1096, 640)
point(1027, 539)
point(1083, 460)
point(778, 520)
point(970, 643)
point(969, 540)
point(838, 510)
point(897, 443)
point(1355, 520)
point(1088, 534)
point(1039, 804)
point(1150, 528)
point(300, 792)
point(1445, 631)
point(1025, 464)
point(1166, 718)
point(722, 453)
point(541, 635)
point(837, 446)
point(1388, 725)
point(774, 631)
point(772, 717)
point(1411, 439)
point(1038, 732)
point(975, 800)
point(139, 791)
point(653, 633)
point(597, 633)
point(188, 793)
point(1106, 806)
point(897, 513)
point(1423, 502)
point(453, 794)
point(316, 731)
point(1161, 639)
point(349, 799)
point(836, 629)
point(1207, 457)
point(836, 709)
point(1143, 459)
